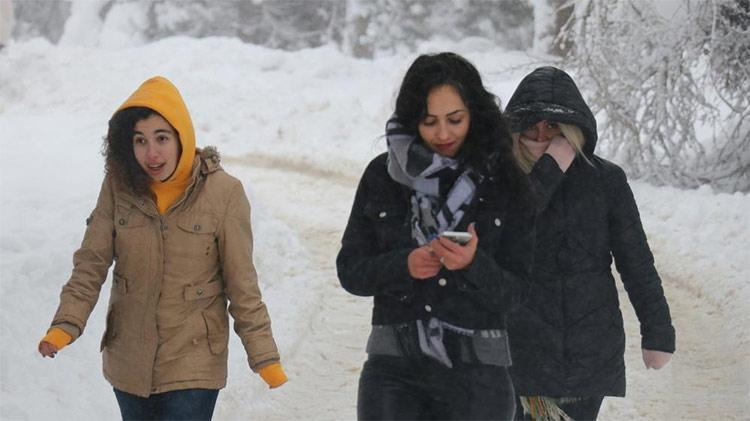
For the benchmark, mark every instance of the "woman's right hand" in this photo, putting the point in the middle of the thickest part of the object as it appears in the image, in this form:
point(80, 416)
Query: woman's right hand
point(423, 263)
point(47, 349)
point(560, 149)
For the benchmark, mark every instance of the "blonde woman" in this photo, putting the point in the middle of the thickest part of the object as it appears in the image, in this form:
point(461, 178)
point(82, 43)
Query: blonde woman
point(567, 338)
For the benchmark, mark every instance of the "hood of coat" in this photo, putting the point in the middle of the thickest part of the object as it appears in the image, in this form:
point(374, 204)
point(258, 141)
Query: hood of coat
point(549, 93)
point(160, 95)
point(210, 159)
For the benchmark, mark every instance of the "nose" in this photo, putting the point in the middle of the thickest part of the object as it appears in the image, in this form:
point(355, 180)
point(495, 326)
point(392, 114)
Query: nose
point(538, 132)
point(443, 133)
point(151, 150)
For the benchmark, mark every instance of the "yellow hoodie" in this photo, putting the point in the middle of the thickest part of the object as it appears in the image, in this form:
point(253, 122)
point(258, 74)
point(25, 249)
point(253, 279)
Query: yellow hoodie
point(160, 95)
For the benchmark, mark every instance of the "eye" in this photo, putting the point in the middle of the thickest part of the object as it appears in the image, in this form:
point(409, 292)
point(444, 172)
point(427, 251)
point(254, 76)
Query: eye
point(455, 122)
point(552, 125)
point(428, 122)
point(163, 139)
point(139, 140)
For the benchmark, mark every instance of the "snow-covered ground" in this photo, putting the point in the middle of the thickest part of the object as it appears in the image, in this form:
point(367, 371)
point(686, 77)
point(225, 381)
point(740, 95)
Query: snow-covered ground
point(297, 129)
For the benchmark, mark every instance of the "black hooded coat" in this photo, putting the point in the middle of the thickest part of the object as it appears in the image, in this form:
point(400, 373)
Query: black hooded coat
point(567, 339)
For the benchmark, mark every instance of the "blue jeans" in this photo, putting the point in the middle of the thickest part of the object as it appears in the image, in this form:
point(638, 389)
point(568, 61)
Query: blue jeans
point(186, 404)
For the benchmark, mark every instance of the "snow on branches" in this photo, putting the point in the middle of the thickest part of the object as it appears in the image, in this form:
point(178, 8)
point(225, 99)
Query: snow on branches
point(671, 86)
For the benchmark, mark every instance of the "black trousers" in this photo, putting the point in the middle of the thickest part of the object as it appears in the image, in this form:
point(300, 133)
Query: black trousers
point(417, 388)
point(586, 409)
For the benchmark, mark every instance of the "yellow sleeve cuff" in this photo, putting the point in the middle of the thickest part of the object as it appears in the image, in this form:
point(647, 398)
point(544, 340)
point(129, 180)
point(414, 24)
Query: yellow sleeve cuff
point(273, 375)
point(57, 337)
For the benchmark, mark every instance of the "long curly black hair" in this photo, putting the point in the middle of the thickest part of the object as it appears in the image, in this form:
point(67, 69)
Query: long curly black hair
point(120, 162)
point(488, 147)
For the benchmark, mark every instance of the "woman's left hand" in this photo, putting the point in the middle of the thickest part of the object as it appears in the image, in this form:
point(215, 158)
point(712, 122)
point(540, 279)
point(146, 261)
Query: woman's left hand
point(655, 359)
point(455, 256)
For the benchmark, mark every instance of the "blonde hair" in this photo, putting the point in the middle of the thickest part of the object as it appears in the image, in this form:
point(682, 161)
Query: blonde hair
point(570, 132)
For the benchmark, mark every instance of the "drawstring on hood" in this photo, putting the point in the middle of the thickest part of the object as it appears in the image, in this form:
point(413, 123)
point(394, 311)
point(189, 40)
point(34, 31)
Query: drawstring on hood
point(160, 95)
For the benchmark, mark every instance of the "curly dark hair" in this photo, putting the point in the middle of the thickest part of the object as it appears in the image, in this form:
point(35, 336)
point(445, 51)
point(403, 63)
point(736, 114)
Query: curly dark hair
point(120, 162)
point(488, 147)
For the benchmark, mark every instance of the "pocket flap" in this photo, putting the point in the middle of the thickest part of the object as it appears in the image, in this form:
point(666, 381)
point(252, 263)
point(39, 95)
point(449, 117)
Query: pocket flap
point(378, 210)
point(198, 224)
point(209, 290)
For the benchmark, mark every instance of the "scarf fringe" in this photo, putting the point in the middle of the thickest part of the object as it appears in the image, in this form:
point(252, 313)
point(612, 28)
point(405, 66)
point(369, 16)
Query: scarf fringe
point(542, 408)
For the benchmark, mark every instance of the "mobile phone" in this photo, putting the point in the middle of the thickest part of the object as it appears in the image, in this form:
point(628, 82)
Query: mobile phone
point(459, 237)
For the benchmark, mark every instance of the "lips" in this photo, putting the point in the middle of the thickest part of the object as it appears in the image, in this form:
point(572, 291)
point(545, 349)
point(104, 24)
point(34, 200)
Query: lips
point(155, 168)
point(444, 147)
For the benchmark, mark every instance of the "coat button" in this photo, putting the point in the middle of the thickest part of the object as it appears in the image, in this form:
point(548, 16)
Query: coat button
point(383, 214)
point(497, 222)
point(197, 227)
point(481, 199)
point(195, 341)
point(121, 221)
point(428, 308)
point(200, 291)
point(442, 282)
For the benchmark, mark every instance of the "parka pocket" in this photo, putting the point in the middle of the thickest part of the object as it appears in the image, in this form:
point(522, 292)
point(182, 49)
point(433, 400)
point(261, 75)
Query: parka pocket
point(110, 332)
point(120, 284)
point(202, 291)
point(129, 216)
point(217, 331)
point(198, 238)
point(198, 224)
point(389, 221)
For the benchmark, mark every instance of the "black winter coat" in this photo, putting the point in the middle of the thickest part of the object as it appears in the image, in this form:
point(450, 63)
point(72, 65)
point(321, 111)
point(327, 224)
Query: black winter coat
point(567, 339)
point(377, 241)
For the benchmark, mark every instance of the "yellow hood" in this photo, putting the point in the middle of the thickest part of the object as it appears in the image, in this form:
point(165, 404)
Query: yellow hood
point(160, 95)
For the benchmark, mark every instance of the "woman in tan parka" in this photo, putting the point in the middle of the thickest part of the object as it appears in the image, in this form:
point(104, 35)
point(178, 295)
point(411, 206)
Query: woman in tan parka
point(178, 229)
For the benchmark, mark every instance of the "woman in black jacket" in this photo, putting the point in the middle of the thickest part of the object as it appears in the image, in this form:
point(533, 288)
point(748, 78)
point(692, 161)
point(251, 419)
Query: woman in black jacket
point(567, 338)
point(438, 347)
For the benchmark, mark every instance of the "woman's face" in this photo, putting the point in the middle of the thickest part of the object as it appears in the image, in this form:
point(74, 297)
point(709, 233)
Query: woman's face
point(446, 124)
point(156, 146)
point(537, 137)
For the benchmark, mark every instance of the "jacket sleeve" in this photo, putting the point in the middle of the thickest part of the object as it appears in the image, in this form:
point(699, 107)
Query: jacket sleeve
point(635, 263)
point(501, 281)
point(362, 268)
point(90, 265)
point(251, 320)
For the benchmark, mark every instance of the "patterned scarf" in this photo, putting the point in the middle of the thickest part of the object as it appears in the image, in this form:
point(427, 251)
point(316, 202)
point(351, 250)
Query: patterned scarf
point(414, 165)
point(543, 408)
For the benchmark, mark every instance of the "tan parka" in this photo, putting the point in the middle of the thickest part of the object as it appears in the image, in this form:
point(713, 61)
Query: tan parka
point(167, 324)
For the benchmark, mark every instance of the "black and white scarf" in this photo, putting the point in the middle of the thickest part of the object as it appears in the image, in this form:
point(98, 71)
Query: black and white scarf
point(414, 165)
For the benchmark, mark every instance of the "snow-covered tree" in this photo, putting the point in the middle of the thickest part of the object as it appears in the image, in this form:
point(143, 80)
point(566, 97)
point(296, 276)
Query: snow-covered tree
point(40, 18)
point(362, 28)
point(550, 19)
point(671, 86)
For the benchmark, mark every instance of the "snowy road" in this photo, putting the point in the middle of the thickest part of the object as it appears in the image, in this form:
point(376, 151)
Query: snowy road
point(324, 365)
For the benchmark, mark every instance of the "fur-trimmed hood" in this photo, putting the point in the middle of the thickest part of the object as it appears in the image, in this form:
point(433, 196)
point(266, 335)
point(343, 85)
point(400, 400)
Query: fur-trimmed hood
point(210, 159)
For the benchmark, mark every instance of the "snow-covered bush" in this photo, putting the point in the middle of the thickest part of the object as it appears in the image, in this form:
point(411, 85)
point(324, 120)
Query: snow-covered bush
point(670, 85)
